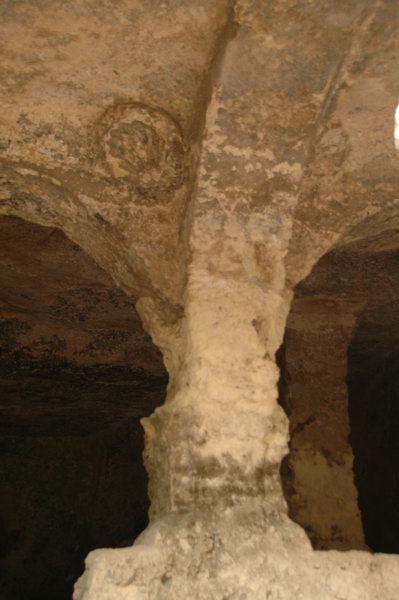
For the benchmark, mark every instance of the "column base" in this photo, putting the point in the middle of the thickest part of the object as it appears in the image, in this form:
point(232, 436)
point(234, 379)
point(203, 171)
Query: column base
point(236, 554)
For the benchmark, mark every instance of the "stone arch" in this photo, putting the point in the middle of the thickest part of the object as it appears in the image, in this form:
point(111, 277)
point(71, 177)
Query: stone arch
point(77, 372)
point(44, 199)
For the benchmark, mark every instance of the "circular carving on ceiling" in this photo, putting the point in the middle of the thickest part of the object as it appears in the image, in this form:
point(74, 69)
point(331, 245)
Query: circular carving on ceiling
point(142, 143)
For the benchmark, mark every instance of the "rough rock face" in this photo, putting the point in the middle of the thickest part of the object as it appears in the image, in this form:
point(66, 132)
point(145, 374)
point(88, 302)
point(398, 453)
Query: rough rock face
point(57, 305)
point(207, 157)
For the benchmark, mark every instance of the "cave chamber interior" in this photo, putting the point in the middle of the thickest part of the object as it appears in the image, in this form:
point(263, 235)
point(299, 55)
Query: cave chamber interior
point(77, 372)
point(339, 387)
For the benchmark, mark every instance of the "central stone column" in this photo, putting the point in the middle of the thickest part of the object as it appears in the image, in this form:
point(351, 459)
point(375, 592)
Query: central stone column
point(213, 450)
point(219, 438)
point(219, 528)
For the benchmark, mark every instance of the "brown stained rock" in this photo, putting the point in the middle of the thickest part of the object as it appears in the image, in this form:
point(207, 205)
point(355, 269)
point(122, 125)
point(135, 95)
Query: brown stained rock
point(56, 304)
point(348, 179)
point(342, 327)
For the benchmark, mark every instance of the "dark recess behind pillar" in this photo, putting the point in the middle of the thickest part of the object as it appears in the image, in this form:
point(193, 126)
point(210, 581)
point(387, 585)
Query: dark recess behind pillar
point(77, 372)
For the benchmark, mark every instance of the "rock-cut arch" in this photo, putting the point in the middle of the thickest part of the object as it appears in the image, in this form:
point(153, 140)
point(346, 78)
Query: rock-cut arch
point(77, 372)
point(338, 389)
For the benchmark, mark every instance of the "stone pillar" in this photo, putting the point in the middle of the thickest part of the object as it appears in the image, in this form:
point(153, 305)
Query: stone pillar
point(219, 528)
point(220, 436)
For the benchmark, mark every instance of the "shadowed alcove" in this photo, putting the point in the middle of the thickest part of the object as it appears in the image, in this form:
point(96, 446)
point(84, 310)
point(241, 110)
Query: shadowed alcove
point(339, 388)
point(373, 386)
point(77, 372)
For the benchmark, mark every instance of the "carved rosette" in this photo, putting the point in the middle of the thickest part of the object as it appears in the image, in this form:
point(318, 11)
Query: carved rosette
point(141, 143)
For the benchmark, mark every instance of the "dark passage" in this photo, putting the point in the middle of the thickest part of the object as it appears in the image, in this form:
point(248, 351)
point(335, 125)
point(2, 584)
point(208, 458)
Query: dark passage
point(373, 384)
point(77, 372)
point(339, 386)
